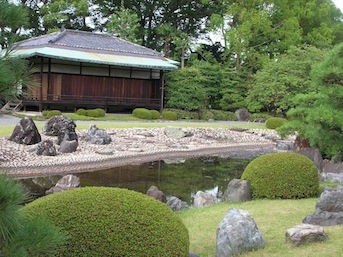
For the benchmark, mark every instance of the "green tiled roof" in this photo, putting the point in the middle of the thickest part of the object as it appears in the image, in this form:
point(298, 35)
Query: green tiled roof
point(90, 47)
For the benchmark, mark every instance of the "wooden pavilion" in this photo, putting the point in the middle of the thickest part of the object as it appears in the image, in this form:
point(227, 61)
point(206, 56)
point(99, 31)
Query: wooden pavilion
point(77, 69)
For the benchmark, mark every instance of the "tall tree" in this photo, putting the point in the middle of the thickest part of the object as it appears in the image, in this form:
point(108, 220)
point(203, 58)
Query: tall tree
point(317, 117)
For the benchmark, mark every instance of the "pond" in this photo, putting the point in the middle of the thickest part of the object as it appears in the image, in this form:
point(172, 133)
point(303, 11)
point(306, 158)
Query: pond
point(180, 178)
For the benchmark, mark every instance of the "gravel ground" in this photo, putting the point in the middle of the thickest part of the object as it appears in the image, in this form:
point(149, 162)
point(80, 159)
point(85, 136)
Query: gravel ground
point(133, 146)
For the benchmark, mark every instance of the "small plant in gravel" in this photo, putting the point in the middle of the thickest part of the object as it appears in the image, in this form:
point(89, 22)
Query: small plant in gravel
point(282, 175)
point(113, 222)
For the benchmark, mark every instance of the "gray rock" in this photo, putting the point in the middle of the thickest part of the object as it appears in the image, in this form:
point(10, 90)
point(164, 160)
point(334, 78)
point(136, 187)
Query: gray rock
point(154, 192)
point(304, 234)
point(65, 183)
point(202, 199)
point(26, 132)
point(332, 167)
point(237, 191)
point(176, 204)
point(56, 124)
point(332, 177)
point(237, 233)
point(97, 136)
point(284, 146)
point(46, 148)
point(242, 114)
point(68, 146)
point(177, 133)
point(66, 135)
point(106, 151)
point(329, 208)
point(314, 155)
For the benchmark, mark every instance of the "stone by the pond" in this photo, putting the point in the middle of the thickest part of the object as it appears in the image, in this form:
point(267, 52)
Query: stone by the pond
point(154, 192)
point(176, 204)
point(67, 182)
point(237, 233)
point(177, 133)
point(329, 208)
point(56, 124)
point(97, 136)
point(304, 234)
point(242, 114)
point(202, 199)
point(26, 132)
point(46, 148)
point(68, 146)
point(237, 191)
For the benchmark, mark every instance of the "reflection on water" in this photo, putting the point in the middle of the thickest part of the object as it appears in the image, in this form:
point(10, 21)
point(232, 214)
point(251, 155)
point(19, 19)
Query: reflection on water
point(183, 180)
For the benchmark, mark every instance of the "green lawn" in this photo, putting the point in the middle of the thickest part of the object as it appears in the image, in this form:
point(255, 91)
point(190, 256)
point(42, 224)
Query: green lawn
point(273, 218)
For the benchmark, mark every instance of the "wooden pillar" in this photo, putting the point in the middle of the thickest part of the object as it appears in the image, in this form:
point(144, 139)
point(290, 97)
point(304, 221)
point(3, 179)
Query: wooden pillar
point(162, 90)
point(49, 78)
point(41, 84)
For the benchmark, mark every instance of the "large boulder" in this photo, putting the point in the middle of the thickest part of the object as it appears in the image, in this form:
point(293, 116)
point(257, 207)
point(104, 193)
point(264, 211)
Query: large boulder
point(237, 233)
point(176, 204)
point(329, 208)
point(65, 183)
point(97, 136)
point(46, 148)
point(57, 124)
point(154, 192)
point(68, 146)
point(202, 199)
point(304, 234)
point(177, 133)
point(26, 132)
point(66, 135)
point(242, 114)
point(314, 155)
point(237, 191)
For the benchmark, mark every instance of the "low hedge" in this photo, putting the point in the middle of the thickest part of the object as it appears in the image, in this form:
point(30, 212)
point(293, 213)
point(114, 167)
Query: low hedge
point(81, 112)
point(282, 175)
point(52, 113)
point(142, 113)
point(155, 115)
point(169, 115)
point(104, 221)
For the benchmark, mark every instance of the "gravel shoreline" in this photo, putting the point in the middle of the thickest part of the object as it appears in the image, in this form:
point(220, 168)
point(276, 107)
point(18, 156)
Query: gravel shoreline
point(135, 146)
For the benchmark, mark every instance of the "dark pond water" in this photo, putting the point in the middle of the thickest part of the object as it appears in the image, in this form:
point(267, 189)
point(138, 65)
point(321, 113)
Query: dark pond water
point(183, 180)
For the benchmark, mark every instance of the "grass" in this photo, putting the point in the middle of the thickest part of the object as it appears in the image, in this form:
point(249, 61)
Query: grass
point(273, 218)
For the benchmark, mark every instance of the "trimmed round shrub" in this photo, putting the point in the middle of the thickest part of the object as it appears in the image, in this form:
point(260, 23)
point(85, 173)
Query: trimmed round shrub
point(142, 113)
point(101, 112)
point(275, 122)
point(282, 175)
point(155, 115)
point(103, 221)
point(92, 113)
point(45, 113)
point(53, 113)
point(231, 116)
point(81, 112)
point(206, 115)
point(169, 115)
point(183, 114)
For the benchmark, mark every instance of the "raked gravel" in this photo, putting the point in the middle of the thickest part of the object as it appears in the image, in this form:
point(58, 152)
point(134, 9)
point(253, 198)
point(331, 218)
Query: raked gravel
point(131, 146)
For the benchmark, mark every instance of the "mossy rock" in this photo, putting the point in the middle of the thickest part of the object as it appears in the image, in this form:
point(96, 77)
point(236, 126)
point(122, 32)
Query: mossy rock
point(105, 221)
point(275, 122)
point(282, 175)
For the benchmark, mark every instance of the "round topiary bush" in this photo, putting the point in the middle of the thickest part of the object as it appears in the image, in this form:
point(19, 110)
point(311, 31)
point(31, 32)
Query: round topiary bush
point(282, 175)
point(53, 113)
point(142, 113)
point(101, 112)
point(155, 115)
point(92, 113)
point(275, 122)
point(81, 112)
point(206, 115)
point(169, 115)
point(104, 221)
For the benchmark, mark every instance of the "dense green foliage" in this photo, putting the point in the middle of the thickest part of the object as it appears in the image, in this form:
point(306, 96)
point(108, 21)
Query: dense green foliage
point(23, 236)
point(142, 113)
point(275, 122)
point(81, 112)
point(113, 222)
point(318, 116)
point(276, 84)
point(169, 115)
point(186, 89)
point(282, 175)
point(95, 113)
point(259, 116)
point(184, 114)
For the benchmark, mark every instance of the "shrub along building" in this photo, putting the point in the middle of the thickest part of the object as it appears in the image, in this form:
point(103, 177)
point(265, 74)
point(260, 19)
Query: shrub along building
point(77, 69)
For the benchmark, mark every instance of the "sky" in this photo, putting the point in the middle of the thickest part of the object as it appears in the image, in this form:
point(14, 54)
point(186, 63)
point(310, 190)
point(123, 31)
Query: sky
point(339, 4)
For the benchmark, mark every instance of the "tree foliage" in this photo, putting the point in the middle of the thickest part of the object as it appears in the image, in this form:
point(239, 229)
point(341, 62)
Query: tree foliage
point(318, 116)
point(275, 85)
point(23, 236)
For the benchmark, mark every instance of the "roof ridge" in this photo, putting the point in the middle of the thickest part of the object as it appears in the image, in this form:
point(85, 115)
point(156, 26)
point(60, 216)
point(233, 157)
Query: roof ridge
point(58, 37)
